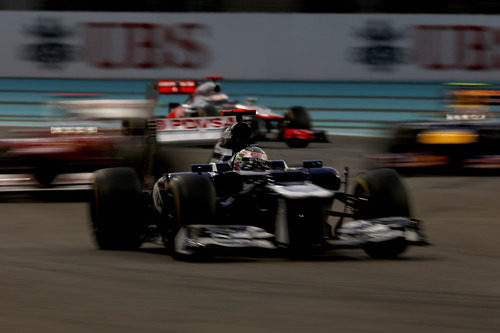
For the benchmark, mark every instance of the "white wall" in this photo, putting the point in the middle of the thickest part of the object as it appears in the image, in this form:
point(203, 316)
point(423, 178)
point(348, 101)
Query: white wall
point(249, 46)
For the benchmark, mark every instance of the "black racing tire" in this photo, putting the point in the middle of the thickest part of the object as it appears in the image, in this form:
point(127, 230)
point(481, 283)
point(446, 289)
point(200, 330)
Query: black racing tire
point(117, 210)
point(386, 250)
point(46, 171)
point(387, 196)
point(191, 200)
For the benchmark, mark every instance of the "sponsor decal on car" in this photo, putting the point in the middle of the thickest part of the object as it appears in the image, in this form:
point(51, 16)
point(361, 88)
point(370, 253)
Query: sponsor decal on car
point(197, 123)
point(199, 129)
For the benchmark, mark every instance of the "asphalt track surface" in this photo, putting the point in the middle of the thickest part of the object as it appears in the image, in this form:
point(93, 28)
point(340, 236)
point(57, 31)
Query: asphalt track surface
point(52, 279)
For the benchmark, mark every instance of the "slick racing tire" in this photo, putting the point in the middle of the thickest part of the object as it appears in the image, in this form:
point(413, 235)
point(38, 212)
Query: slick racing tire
point(386, 250)
point(116, 209)
point(46, 171)
point(297, 117)
point(191, 200)
point(387, 196)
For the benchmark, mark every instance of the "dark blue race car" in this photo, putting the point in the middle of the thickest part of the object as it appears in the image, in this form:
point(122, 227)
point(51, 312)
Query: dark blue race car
point(250, 204)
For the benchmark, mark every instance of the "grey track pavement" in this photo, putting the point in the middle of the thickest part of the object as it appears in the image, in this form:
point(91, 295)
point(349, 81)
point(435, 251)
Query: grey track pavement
point(52, 279)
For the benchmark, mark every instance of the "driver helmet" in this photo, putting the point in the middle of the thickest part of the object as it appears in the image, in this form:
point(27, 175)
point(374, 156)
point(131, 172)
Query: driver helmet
point(218, 98)
point(250, 158)
point(208, 88)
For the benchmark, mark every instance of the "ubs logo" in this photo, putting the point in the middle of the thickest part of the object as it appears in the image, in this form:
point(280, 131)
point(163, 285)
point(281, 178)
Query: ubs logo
point(380, 51)
point(50, 49)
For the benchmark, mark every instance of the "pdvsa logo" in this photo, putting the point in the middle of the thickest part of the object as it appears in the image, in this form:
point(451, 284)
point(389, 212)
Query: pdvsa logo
point(381, 51)
point(201, 123)
point(50, 49)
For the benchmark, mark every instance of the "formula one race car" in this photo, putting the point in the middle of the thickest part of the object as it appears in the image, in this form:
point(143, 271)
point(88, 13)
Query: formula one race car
point(79, 137)
point(466, 139)
point(253, 205)
point(207, 100)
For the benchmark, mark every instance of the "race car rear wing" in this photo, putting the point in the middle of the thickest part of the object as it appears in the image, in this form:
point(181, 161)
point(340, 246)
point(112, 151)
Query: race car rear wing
point(173, 87)
point(180, 87)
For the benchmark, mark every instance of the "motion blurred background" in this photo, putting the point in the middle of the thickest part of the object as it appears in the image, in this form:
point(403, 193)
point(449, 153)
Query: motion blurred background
point(359, 66)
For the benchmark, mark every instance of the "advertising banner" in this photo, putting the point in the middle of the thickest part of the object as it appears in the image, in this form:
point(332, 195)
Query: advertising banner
point(258, 46)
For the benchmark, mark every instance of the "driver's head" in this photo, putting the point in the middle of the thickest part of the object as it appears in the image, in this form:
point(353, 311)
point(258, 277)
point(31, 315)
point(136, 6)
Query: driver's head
point(207, 88)
point(250, 158)
point(218, 98)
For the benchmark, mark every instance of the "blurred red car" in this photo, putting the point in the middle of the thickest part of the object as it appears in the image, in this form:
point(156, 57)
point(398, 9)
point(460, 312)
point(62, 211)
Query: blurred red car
point(88, 135)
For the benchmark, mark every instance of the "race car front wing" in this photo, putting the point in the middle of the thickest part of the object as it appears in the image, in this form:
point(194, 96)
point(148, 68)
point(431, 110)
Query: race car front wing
point(195, 239)
point(222, 239)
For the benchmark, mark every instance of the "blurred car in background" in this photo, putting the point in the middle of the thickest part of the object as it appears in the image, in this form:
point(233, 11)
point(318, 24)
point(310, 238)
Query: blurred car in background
point(78, 137)
point(206, 99)
point(467, 137)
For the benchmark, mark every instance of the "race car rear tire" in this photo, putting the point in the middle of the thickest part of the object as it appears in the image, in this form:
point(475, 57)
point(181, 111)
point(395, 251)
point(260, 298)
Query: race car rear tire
point(191, 200)
point(387, 196)
point(117, 210)
point(297, 117)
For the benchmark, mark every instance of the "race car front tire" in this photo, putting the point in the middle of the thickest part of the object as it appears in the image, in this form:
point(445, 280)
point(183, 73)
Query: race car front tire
point(116, 209)
point(191, 200)
point(386, 196)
